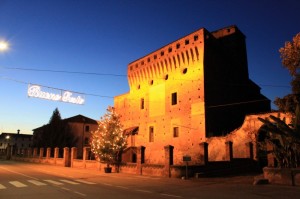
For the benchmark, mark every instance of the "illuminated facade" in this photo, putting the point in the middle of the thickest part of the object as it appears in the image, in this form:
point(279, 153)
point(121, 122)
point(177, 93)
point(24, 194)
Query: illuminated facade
point(191, 89)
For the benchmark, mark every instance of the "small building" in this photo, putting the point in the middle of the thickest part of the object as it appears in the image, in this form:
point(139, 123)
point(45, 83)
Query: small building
point(18, 142)
point(80, 127)
point(187, 91)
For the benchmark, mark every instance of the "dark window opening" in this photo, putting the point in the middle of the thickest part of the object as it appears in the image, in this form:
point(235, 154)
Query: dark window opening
point(142, 103)
point(184, 71)
point(196, 37)
point(175, 132)
point(174, 98)
point(166, 77)
point(177, 46)
point(162, 53)
point(151, 134)
point(86, 141)
point(187, 42)
point(87, 128)
point(170, 50)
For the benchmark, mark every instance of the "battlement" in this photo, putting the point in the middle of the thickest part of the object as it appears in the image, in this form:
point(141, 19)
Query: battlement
point(162, 63)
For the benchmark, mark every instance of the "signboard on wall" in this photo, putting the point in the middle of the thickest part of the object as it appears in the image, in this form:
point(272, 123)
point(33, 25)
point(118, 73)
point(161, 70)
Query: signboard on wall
point(54, 94)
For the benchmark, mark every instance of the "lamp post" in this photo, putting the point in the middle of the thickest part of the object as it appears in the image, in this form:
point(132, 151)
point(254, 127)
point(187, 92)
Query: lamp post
point(8, 149)
point(4, 46)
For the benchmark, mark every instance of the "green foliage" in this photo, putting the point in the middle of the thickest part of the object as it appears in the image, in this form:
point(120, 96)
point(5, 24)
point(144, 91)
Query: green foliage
point(290, 55)
point(284, 139)
point(108, 141)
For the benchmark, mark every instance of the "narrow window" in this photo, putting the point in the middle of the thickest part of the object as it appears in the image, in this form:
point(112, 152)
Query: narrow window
point(166, 77)
point(174, 98)
point(175, 132)
point(148, 59)
point(184, 71)
point(142, 103)
point(155, 56)
point(170, 50)
point(195, 37)
point(151, 134)
point(162, 53)
point(177, 46)
point(87, 128)
point(187, 42)
point(86, 141)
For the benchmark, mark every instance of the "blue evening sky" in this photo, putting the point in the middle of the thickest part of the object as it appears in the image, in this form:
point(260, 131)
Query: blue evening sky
point(101, 36)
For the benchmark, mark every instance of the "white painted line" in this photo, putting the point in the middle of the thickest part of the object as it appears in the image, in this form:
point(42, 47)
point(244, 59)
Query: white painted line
point(18, 173)
point(18, 184)
point(145, 191)
point(69, 181)
point(82, 194)
point(122, 187)
point(85, 182)
point(65, 189)
point(2, 187)
point(54, 182)
point(35, 182)
point(106, 184)
point(169, 195)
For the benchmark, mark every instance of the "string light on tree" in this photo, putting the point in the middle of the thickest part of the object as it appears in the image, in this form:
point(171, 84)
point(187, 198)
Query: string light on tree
point(108, 141)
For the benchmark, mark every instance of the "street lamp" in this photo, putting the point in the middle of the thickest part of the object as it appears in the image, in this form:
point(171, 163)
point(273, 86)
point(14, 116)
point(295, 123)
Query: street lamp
point(4, 46)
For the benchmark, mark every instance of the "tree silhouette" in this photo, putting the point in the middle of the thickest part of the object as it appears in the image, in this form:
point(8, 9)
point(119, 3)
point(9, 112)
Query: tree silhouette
point(56, 133)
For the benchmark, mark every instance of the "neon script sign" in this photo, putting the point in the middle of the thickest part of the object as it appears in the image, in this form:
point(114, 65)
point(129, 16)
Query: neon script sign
point(54, 94)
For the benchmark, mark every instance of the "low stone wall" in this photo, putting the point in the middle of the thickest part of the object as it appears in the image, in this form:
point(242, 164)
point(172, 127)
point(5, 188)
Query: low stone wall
point(282, 176)
point(153, 170)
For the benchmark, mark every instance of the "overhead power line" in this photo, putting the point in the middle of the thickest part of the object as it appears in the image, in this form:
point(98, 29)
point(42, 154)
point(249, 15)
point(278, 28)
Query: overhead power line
point(64, 71)
point(112, 74)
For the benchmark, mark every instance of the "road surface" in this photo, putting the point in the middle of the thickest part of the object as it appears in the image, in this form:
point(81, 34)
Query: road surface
point(39, 181)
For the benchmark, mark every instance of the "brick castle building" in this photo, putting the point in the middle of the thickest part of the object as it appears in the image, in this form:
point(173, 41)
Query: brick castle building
point(187, 91)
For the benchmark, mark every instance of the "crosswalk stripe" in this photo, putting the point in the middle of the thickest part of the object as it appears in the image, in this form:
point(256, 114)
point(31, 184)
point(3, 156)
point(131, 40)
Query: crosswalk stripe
point(54, 182)
point(2, 187)
point(35, 182)
point(69, 182)
point(17, 184)
point(84, 181)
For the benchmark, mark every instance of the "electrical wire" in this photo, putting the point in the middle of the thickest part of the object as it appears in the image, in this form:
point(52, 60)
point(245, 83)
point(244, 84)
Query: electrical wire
point(116, 75)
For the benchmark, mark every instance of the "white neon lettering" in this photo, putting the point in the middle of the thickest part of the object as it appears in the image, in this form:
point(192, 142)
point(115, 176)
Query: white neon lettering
point(36, 91)
point(67, 97)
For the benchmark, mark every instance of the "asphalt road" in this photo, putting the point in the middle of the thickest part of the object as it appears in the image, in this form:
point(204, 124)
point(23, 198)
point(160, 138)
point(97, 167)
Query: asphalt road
point(37, 181)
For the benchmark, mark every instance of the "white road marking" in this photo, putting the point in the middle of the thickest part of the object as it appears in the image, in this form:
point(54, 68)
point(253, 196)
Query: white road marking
point(65, 189)
point(82, 194)
point(85, 182)
point(2, 187)
point(145, 191)
point(35, 182)
point(169, 195)
point(18, 173)
point(54, 182)
point(18, 184)
point(69, 181)
point(122, 187)
point(106, 184)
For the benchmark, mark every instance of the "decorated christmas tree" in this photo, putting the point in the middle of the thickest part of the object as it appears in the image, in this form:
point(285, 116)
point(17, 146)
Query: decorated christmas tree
point(108, 141)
